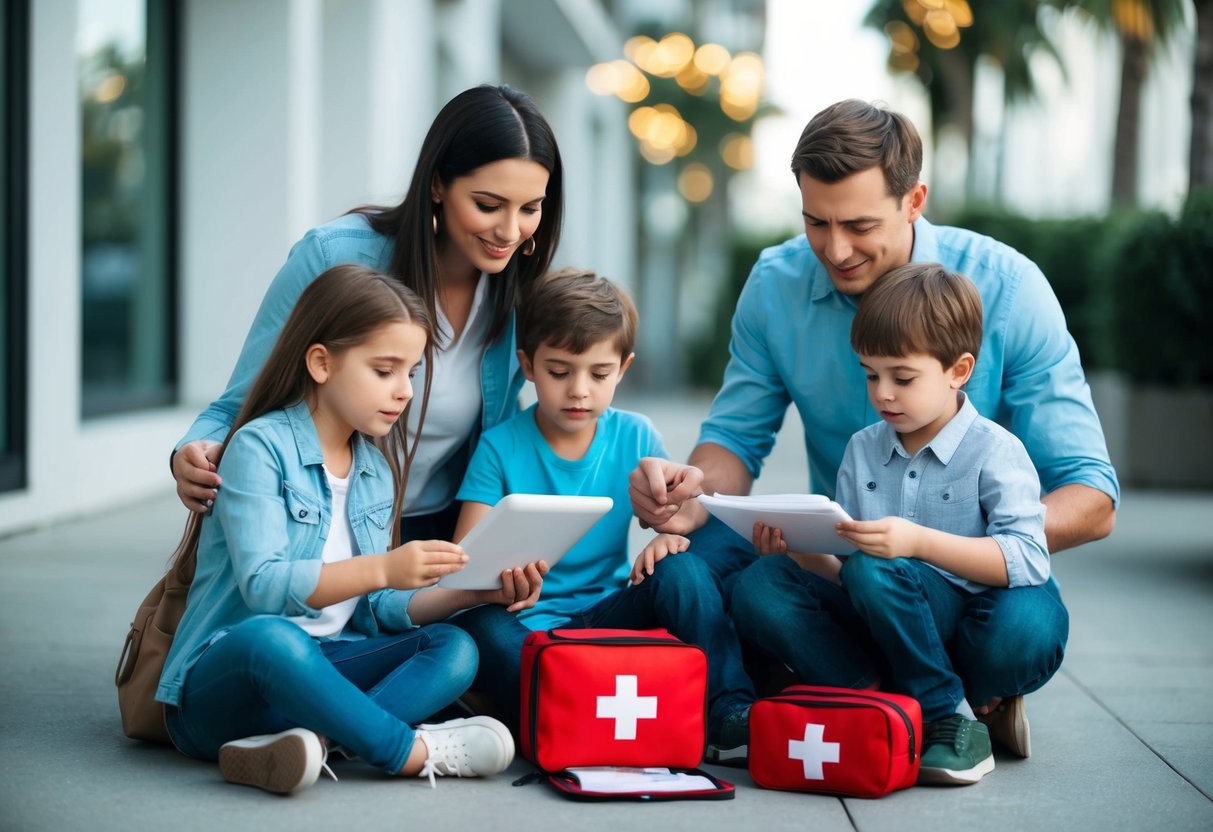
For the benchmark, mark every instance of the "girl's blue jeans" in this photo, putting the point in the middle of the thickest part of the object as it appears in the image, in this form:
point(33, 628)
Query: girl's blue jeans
point(903, 623)
point(267, 675)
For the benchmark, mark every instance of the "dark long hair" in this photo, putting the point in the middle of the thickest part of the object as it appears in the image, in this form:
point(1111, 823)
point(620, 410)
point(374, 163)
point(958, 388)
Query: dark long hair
point(479, 126)
point(340, 309)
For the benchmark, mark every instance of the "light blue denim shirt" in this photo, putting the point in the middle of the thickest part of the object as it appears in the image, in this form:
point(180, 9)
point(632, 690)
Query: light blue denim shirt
point(791, 344)
point(260, 550)
point(347, 239)
point(973, 479)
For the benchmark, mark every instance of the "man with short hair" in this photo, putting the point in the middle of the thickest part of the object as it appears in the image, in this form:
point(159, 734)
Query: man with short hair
point(858, 169)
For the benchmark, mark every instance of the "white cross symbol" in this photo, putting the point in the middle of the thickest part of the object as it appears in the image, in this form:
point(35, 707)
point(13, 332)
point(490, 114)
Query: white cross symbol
point(625, 707)
point(813, 751)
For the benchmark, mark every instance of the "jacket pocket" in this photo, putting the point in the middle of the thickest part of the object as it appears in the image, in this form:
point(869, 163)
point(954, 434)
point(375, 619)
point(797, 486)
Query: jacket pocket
point(301, 507)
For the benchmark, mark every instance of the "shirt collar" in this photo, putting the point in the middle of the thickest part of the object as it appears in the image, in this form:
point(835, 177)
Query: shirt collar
point(299, 417)
point(944, 444)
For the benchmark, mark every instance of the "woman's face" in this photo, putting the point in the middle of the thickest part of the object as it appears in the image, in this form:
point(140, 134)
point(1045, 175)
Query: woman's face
point(488, 214)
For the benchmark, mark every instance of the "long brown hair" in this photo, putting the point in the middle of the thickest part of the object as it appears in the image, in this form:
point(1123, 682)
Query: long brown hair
point(340, 309)
point(479, 126)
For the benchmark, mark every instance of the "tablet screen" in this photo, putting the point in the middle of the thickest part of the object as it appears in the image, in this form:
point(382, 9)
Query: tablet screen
point(523, 528)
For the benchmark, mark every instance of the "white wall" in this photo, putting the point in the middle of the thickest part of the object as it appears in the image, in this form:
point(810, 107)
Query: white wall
point(293, 111)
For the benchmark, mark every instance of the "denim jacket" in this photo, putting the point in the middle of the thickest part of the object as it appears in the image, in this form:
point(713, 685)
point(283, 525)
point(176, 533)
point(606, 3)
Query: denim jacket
point(260, 549)
point(347, 239)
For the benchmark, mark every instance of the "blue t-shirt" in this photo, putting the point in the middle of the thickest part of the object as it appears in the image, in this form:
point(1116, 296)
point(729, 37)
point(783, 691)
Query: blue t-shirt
point(514, 458)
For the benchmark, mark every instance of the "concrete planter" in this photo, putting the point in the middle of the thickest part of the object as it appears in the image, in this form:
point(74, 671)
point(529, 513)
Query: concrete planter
point(1157, 436)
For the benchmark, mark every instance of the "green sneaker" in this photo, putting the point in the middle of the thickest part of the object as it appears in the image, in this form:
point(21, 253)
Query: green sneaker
point(956, 752)
point(729, 740)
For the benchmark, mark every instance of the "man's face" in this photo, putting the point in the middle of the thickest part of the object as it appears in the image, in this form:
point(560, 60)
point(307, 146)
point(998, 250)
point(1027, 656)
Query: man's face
point(856, 229)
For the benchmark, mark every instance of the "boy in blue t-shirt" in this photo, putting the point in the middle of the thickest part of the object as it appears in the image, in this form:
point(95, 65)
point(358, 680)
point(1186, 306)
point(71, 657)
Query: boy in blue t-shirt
point(575, 337)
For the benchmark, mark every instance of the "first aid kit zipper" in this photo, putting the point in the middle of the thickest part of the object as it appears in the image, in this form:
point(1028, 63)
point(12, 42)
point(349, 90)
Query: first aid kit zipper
point(815, 697)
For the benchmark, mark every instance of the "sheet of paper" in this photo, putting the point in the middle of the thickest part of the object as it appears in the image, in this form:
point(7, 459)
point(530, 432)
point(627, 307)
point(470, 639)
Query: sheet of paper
point(806, 521)
point(626, 780)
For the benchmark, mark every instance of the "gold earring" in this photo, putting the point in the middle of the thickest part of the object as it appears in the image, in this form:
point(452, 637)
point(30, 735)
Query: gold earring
point(528, 248)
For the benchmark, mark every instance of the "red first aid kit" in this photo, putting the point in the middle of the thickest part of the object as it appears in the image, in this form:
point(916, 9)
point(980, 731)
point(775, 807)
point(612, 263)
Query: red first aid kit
point(860, 743)
point(600, 697)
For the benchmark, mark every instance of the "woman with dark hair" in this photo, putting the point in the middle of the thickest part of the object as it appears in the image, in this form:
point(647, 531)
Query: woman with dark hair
point(479, 223)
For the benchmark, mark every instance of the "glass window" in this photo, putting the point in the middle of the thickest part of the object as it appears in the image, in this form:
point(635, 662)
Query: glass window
point(127, 340)
point(14, 81)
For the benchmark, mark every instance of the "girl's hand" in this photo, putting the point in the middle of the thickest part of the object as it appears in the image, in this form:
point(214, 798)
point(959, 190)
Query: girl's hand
point(658, 548)
point(769, 541)
point(520, 587)
point(890, 537)
point(421, 563)
point(194, 467)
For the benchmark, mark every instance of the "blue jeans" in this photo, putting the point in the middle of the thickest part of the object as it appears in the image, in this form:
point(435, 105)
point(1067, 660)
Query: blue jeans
point(901, 622)
point(725, 552)
point(267, 675)
point(681, 595)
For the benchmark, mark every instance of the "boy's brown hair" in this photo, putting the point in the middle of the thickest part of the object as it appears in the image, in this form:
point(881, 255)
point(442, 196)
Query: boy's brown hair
point(573, 309)
point(919, 308)
point(852, 136)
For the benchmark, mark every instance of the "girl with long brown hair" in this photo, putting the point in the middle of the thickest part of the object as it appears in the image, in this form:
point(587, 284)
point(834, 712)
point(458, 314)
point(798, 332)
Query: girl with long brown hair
point(297, 631)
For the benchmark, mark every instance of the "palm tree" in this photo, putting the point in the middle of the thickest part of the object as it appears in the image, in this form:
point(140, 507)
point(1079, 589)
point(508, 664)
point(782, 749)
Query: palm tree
point(1144, 28)
point(1007, 32)
point(1200, 167)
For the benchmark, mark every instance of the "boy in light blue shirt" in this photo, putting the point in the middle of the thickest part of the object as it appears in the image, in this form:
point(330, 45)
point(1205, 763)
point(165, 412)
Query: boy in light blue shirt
point(949, 507)
point(575, 338)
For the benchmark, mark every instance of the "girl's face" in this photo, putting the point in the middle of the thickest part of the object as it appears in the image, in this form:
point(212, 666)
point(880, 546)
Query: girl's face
point(366, 387)
point(488, 214)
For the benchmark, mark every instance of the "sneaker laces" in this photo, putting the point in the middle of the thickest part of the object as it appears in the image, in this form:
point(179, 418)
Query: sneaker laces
point(950, 731)
point(443, 754)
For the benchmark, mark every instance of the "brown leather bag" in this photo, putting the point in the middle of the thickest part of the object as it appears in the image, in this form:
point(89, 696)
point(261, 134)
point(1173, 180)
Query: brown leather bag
point(146, 648)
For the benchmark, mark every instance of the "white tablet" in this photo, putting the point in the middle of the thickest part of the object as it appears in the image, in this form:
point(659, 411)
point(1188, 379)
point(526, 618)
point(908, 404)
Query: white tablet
point(523, 528)
point(805, 520)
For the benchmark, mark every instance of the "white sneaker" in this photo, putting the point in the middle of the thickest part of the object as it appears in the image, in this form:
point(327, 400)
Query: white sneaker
point(477, 746)
point(279, 763)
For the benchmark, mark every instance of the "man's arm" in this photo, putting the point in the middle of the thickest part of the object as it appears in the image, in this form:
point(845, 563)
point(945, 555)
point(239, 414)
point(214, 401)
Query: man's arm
point(1077, 514)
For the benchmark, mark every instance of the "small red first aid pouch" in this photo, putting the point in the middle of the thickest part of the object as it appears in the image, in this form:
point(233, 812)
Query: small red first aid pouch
point(860, 743)
point(600, 697)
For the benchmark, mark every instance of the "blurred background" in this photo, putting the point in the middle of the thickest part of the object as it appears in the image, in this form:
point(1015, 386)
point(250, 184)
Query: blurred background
point(160, 157)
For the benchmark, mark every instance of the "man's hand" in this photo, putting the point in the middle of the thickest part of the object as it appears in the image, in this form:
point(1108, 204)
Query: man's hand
point(661, 489)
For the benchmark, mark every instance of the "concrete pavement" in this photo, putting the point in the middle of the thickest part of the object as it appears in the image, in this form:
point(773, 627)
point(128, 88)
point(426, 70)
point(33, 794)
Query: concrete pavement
point(1122, 737)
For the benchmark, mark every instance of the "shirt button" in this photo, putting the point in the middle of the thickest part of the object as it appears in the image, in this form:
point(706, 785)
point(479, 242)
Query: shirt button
point(913, 474)
point(871, 486)
point(911, 514)
point(302, 513)
point(947, 496)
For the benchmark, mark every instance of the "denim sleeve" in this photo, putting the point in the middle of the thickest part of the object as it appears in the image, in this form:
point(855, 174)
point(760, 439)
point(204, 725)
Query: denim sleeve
point(391, 609)
point(305, 262)
point(1009, 492)
point(1046, 394)
point(749, 409)
point(270, 573)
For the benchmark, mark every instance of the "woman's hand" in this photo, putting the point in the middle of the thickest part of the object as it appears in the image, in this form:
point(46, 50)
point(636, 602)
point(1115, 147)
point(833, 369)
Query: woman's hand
point(658, 548)
point(420, 563)
point(194, 467)
point(520, 587)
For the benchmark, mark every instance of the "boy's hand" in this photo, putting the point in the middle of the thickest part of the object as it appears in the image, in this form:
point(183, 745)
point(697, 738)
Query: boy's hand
point(658, 548)
point(421, 563)
point(890, 537)
point(520, 587)
point(769, 541)
point(658, 488)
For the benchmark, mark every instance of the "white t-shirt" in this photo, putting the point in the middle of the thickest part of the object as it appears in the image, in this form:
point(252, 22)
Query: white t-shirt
point(454, 409)
point(339, 546)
